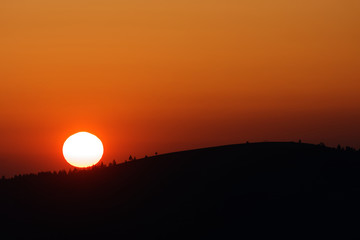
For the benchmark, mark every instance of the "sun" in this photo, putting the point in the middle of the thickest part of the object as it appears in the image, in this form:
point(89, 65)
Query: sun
point(83, 149)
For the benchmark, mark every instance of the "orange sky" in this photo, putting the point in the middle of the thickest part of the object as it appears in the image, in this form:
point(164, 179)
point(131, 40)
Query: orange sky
point(148, 76)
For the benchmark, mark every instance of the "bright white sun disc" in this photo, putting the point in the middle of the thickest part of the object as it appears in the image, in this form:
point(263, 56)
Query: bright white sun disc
point(83, 149)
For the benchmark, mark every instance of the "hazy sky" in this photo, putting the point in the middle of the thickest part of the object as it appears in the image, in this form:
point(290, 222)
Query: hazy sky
point(163, 76)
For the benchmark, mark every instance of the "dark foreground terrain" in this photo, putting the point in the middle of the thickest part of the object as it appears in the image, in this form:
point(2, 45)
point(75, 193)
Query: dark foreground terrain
point(290, 190)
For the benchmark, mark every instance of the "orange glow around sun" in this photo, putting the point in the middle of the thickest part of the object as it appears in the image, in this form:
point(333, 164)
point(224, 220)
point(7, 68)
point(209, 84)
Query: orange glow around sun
point(83, 149)
point(165, 76)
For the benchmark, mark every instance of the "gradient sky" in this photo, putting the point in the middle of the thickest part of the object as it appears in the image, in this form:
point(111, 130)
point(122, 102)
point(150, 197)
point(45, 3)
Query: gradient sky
point(164, 76)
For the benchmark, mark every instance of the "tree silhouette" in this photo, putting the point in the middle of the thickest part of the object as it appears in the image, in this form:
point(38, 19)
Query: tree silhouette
point(62, 173)
point(350, 149)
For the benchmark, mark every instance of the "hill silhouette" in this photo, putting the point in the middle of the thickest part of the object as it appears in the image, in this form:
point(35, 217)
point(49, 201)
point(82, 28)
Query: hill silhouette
point(271, 189)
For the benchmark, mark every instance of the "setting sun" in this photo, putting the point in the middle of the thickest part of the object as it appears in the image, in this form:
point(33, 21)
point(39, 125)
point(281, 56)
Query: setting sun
point(83, 149)
point(179, 119)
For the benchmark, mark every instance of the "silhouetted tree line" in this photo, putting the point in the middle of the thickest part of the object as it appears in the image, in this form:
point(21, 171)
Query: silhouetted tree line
point(71, 171)
point(101, 165)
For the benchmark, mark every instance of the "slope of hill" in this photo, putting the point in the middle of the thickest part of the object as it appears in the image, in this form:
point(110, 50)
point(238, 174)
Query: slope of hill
point(228, 192)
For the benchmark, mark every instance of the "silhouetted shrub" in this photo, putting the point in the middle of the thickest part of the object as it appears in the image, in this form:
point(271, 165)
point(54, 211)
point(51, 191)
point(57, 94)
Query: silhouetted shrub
point(350, 149)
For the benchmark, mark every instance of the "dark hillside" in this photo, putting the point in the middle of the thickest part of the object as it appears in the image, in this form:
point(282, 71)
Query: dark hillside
point(227, 192)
